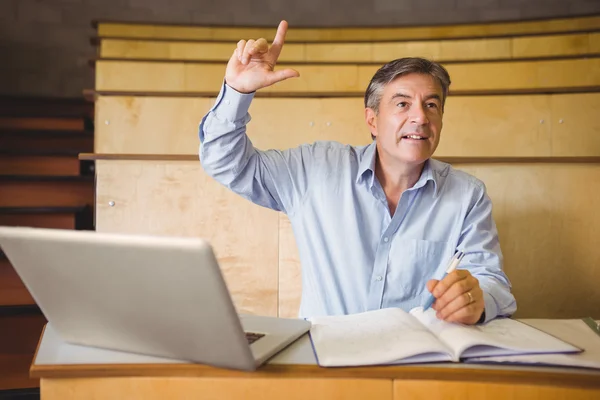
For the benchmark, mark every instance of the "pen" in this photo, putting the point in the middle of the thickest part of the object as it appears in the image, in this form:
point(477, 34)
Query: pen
point(454, 261)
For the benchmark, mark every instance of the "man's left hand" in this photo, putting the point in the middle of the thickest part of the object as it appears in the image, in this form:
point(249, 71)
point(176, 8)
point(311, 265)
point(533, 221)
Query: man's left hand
point(458, 297)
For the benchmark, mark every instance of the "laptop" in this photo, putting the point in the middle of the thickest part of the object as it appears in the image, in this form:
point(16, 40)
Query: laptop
point(151, 295)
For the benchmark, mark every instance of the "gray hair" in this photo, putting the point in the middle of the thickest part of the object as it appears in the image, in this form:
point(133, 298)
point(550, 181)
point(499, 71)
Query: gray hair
point(403, 66)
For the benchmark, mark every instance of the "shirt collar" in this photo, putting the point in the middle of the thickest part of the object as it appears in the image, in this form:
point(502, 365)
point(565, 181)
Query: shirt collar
point(367, 163)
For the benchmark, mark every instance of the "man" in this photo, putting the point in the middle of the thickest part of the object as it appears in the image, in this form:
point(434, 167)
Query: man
point(373, 224)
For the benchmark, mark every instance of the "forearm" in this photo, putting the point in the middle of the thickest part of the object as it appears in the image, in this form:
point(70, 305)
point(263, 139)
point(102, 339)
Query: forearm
point(224, 147)
point(227, 154)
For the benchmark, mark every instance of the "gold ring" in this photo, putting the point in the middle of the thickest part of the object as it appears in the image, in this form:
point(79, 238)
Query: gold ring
point(471, 300)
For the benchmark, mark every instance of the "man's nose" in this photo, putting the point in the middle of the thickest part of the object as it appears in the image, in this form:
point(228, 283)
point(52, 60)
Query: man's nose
point(418, 115)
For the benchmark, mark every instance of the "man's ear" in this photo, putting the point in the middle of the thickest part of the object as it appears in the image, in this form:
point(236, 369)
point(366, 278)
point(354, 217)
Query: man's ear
point(371, 120)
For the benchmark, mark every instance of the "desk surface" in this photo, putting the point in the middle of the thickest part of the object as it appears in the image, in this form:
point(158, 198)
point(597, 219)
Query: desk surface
point(58, 359)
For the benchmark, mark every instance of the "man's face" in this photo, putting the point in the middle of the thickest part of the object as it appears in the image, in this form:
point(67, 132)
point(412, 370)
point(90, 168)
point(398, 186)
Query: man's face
point(409, 121)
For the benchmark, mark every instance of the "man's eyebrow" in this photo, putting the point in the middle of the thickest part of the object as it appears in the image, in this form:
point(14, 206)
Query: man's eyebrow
point(433, 96)
point(405, 96)
point(401, 95)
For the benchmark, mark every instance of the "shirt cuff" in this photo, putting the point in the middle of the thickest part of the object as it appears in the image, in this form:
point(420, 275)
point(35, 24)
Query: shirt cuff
point(232, 105)
point(491, 309)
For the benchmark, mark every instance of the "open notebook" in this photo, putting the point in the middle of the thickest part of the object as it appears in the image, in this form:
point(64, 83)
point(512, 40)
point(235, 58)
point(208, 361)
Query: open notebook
point(393, 336)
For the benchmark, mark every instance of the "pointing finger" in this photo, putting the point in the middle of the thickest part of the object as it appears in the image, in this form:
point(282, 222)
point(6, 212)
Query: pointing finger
point(279, 38)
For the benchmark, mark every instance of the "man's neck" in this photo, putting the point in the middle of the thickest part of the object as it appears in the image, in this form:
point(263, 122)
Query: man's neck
point(396, 178)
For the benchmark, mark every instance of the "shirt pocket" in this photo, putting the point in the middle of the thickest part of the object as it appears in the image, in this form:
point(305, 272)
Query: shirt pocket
point(411, 264)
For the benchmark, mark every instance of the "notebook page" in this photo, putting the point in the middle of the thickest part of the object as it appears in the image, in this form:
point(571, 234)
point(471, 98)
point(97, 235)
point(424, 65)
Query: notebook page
point(498, 337)
point(574, 331)
point(376, 337)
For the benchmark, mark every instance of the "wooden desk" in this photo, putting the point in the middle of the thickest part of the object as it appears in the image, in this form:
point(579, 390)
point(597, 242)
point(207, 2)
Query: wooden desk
point(76, 372)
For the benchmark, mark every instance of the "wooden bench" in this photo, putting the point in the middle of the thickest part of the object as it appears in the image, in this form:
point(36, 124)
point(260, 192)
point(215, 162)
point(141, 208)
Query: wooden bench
point(497, 126)
point(345, 34)
point(490, 49)
point(42, 184)
point(203, 78)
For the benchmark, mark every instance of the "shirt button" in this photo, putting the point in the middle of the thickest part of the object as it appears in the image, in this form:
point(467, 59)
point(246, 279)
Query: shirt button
point(227, 102)
point(379, 277)
point(386, 239)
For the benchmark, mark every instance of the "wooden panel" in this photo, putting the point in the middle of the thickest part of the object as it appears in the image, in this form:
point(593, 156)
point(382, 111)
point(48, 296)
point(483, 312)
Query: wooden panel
point(441, 50)
point(473, 126)
point(177, 198)
point(12, 290)
point(496, 126)
point(138, 76)
point(14, 372)
point(13, 164)
point(525, 75)
point(156, 125)
point(55, 220)
point(32, 193)
point(384, 52)
point(46, 141)
point(215, 388)
point(350, 34)
point(290, 271)
point(594, 39)
point(545, 220)
point(574, 118)
point(450, 390)
point(541, 46)
point(338, 52)
point(148, 125)
point(23, 123)
point(19, 336)
point(475, 49)
point(144, 49)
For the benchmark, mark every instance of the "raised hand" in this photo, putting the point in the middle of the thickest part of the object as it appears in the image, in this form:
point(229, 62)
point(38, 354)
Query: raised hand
point(252, 65)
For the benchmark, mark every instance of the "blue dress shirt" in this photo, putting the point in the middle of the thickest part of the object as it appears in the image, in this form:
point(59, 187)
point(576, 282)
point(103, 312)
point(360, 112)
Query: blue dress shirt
point(355, 256)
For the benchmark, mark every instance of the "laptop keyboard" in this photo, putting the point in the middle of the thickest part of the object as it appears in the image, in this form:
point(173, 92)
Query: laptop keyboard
point(253, 337)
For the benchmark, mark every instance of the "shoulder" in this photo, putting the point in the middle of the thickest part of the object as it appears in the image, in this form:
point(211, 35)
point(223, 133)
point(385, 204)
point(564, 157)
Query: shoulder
point(330, 151)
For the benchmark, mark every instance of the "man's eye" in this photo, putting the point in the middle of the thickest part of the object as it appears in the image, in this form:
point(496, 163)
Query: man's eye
point(402, 104)
point(432, 105)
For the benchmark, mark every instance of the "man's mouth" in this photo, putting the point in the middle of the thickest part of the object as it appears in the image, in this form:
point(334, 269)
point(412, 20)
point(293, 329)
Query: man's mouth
point(413, 136)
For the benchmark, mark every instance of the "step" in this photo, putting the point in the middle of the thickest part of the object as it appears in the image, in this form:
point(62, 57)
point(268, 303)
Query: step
point(39, 162)
point(20, 331)
point(77, 141)
point(42, 123)
point(80, 218)
point(12, 290)
point(19, 106)
point(46, 191)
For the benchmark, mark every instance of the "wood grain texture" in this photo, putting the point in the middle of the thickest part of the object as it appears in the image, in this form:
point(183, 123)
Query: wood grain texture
point(12, 290)
point(447, 372)
point(177, 198)
point(33, 164)
point(545, 222)
point(432, 390)
point(216, 388)
point(478, 126)
point(575, 117)
point(362, 52)
point(157, 76)
point(122, 29)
